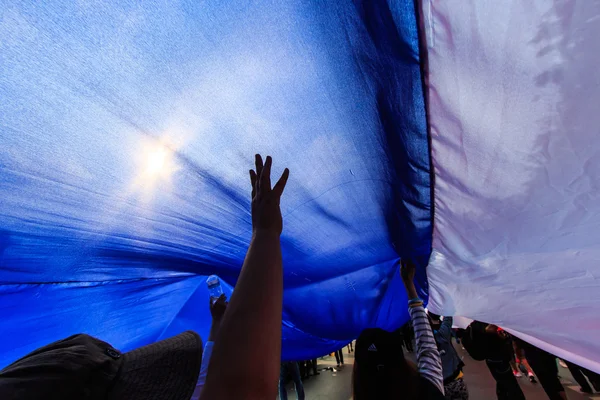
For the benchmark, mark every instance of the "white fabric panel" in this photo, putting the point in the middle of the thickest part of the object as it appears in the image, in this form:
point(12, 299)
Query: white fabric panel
point(514, 108)
point(461, 322)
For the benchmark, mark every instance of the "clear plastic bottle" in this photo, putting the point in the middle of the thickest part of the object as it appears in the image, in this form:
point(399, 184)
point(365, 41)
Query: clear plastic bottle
point(214, 287)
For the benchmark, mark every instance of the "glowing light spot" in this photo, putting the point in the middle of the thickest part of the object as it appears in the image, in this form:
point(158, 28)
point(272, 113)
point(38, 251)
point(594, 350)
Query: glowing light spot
point(156, 160)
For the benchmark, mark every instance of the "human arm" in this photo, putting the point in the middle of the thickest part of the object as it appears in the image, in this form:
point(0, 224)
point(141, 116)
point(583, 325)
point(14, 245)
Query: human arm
point(251, 328)
point(217, 310)
point(428, 357)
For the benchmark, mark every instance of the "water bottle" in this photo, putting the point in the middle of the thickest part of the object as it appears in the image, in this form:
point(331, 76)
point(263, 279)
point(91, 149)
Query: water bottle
point(214, 287)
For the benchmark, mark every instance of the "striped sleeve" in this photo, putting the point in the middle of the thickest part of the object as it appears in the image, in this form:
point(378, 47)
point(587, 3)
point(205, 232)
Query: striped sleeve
point(428, 356)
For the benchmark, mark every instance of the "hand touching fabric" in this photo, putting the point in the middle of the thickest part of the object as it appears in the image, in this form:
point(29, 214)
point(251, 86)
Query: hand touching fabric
point(217, 310)
point(266, 214)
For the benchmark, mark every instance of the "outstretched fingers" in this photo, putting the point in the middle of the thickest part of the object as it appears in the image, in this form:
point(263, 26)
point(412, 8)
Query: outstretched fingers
point(259, 169)
point(280, 185)
point(261, 179)
point(265, 176)
point(253, 181)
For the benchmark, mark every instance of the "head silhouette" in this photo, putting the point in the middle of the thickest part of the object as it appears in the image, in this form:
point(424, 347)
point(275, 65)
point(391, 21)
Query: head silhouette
point(380, 369)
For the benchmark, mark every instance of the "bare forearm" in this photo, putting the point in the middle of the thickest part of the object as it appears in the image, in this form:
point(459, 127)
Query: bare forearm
point(214, 329)
point(252, 322)
point(258, 315)
point(411, 291)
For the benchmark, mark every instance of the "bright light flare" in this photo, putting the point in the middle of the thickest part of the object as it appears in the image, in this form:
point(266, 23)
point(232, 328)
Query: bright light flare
point(156, 162)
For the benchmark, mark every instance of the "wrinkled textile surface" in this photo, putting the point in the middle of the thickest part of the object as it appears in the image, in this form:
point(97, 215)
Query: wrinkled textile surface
point(513, 109)
point(126, 133)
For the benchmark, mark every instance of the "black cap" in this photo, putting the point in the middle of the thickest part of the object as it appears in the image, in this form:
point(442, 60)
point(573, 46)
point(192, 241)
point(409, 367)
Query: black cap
point(85, 368)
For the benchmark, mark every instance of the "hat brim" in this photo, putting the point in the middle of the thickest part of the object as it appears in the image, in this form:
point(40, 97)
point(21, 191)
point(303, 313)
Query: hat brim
point(167, 369)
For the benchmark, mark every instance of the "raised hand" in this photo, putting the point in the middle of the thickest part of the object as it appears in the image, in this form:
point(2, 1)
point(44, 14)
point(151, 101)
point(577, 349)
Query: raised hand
point(217, 308)
point(266, 214)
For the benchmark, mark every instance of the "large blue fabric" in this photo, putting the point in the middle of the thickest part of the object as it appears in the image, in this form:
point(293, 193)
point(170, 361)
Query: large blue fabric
point(127, 130)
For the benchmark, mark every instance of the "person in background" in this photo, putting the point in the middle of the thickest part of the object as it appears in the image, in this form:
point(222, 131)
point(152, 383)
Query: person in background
point(521, 362)
point(291, 368)
point(487, 342)
point(515, 369)
point(456, 335)
point(380, 369)
point(454, 385)
point(255, 307)
point(313, 364)
point(498, 362)
point(339, 358)
point(578, 374)
point(217, 310)
point(303, 368)
point(544, 366)
point(350, 349)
